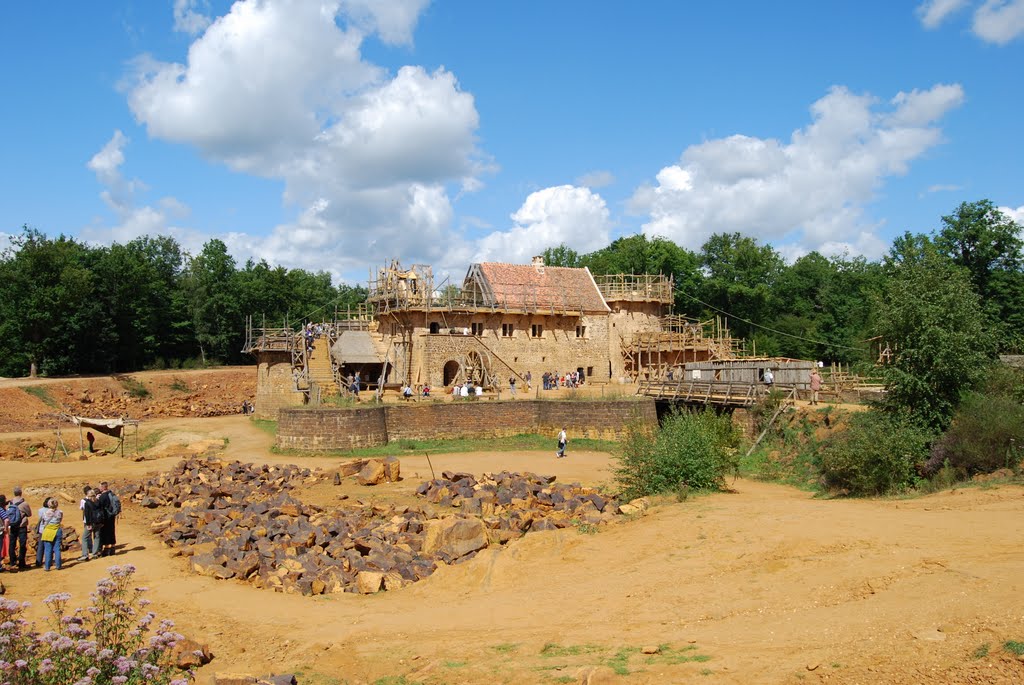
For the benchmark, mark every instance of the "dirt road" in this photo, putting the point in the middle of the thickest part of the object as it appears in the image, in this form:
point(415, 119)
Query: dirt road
point(763, 585)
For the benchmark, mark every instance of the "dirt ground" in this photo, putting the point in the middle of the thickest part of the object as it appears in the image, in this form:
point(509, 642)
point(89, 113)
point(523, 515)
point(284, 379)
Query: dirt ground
point(766, 584)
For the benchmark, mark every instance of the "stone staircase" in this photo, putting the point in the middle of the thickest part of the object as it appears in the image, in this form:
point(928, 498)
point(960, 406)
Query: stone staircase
point(318, 365)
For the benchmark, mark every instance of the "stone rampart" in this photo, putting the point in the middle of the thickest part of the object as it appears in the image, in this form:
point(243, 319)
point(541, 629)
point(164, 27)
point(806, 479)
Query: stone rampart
point(344, 429)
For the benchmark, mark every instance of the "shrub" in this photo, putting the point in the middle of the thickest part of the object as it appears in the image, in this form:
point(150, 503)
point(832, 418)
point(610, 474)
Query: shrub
point(134, 387)
point(986, 433)
point(876, 455)
point(689, 449)
point(105, 644)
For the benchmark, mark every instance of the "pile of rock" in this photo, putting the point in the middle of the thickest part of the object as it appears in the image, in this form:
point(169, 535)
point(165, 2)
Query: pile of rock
point(510, 504)
point(240, 521)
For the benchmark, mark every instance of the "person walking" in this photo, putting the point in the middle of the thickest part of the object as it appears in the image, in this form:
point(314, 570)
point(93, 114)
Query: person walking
point(562, 441)
point(19, 531)
point(108, 533)
point(51, 520)
point(815, 386)
point(94, 517)
point(512, 386)
point(4, 532)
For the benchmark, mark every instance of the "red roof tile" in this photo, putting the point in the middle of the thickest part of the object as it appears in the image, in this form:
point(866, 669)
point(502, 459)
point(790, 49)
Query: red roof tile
point(519, 286)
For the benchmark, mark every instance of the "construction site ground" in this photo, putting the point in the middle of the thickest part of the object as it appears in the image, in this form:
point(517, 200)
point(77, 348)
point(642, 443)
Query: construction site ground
point(764, 584)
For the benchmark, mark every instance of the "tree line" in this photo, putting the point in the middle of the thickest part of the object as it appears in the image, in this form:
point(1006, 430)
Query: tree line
point(67, 307)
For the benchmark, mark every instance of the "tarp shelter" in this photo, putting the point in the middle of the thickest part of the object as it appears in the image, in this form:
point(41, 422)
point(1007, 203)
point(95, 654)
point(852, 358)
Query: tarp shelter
point(112, 427)
point(115, 428)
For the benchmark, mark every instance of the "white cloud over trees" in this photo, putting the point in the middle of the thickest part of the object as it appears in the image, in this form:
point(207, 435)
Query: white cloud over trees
point(810, 190)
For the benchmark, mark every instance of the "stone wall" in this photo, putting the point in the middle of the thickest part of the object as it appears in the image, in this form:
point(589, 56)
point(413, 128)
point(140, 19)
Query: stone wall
point(275, 387)
point(331, 429)
point(343, 429)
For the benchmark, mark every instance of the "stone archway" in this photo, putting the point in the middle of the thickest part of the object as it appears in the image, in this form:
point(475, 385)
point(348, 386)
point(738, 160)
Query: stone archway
point(451, 372)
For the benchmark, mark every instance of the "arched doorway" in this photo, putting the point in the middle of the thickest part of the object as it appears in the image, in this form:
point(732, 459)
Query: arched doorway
point(451, 372)
point(435, 327)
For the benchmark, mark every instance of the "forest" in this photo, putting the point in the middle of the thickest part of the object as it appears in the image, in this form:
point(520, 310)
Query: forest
point(69, 307)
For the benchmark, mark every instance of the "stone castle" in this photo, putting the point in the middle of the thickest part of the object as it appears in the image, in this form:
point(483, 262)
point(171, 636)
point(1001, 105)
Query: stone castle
point(506, 321)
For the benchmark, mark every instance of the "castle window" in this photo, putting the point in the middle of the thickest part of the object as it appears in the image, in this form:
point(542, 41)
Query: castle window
point(435, 327)
point(507, 329)
point(477, 328)
point(581, 331)
point(536, 331)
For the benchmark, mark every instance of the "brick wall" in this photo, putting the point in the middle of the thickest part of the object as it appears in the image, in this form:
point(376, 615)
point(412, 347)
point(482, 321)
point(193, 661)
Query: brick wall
point(331, 429)
point(275, 387)
point(342, 429)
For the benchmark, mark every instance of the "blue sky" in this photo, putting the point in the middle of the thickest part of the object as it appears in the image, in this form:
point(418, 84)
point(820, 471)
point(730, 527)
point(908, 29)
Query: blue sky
point(338, 134)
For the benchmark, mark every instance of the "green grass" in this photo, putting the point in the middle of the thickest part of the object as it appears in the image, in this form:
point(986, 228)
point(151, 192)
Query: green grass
point(394, 680)
point(523, 442)
point(41, 394)
point(266, 425)
point(134, 387)
point(668, 655)
point(148, 440)
point(506, 647)
point(982, 651)
point(1014, 647)
point(620, 662)
point(178, 385)
point(316, 678)
point(455, 664)
point(552, 649)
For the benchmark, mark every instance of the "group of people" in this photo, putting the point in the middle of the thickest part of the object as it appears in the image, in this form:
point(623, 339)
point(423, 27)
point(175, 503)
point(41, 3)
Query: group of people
point(554, 380)
point(311, 333)
point(813, 384)
point(100, 508)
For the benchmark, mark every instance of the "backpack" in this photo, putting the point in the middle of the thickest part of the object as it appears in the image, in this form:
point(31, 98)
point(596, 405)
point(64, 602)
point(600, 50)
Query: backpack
point(13, 515)
point(113, 504)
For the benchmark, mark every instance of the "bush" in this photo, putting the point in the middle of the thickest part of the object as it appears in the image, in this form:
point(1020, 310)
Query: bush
point(876, 455)
point(105, 644)
point(987, 434)
point(689, 449)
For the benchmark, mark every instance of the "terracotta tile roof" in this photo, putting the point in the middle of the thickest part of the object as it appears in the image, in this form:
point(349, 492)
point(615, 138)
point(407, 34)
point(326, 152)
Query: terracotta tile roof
point(519, 286)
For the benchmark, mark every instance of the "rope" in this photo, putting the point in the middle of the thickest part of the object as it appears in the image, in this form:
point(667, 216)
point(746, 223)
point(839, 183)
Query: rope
point(769, 328)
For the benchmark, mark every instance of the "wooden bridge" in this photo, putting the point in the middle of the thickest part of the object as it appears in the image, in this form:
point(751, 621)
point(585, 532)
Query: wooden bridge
point(724, 394)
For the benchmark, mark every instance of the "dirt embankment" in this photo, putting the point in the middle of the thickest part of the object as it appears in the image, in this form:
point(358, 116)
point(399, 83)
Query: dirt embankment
point(30, 405)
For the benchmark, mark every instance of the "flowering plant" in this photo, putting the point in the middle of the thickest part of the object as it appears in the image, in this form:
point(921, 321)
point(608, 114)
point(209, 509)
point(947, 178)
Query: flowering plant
point(111, 642)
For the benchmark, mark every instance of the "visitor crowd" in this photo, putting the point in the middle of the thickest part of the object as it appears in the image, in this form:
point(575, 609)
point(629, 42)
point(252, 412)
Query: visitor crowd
point(100, 508)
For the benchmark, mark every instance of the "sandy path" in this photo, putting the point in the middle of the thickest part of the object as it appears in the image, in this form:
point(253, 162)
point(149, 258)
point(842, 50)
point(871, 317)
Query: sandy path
point(771, 584)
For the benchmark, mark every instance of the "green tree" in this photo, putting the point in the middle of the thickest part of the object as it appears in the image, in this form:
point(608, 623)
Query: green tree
point(46, 291)
point(561, 256)
point(212, 298)
point(740, 277)
point(987, 243)
point(933, 320)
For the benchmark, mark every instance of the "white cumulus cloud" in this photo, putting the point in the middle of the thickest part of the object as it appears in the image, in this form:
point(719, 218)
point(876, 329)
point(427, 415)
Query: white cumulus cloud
point(993, 21)
point(999, 21)
point(934, 12)
point(368, 159)
point(188, 18)
point(1016, 215)
point(566, 214)
point(813, 186)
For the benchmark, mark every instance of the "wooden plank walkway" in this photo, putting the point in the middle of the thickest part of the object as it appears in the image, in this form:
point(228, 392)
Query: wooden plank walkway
point(726, 394)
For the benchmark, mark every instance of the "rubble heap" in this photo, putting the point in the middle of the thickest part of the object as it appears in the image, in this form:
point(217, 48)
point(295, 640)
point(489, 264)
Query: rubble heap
point(510, 504)
point(236, 520)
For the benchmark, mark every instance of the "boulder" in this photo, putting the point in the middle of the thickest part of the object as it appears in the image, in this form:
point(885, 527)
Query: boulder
point(369, 582)
point(373, 473)
point(392, 469)
point(455, 537)
point(189, 654)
